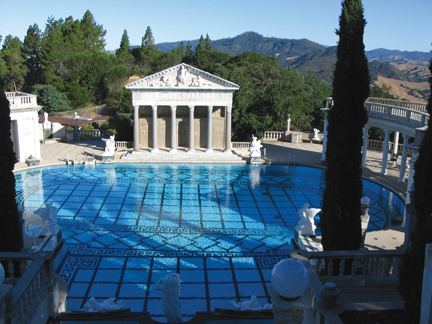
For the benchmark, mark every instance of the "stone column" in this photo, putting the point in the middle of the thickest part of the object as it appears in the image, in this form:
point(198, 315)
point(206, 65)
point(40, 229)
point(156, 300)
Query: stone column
point(385, 152)
point(173, 130)
point(210, 130)
point(228, 129)
point(404, 158)
point(323, 156)
point(36, 135)
point(136, 128)
point(365, 144)
point(155, 133)
point(191, 129)
point(395, 143)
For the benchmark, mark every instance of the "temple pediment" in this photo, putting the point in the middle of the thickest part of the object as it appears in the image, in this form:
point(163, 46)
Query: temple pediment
point(183, 77)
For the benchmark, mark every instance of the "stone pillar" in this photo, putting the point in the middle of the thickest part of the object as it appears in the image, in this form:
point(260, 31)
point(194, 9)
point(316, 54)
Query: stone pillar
point(385, 152)
point(191, 129)
point(365, 144)
point(404, 158)
point(36, 135)
point(136, 128)
point(395, 143)
point(323, 156)
point(210, 130)
point(155, 133)
point(173, 129)
point(228, 129)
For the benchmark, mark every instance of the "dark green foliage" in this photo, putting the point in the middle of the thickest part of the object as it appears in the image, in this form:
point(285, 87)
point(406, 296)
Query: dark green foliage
point(206, 60)
point(340, 218)
point(201, 44)
point(268, 93)
point(125, 102)
point(77, 95)
point(92, 34)
point(411, 270)
point(123, 126)
point(124, 51)
point(164, 60)
point(32, 47)
point(50, 99)
point(11, 235)
point(189, 52)
point(181, 50)
point(207, 43)
point(381, 92)
point(14, 69)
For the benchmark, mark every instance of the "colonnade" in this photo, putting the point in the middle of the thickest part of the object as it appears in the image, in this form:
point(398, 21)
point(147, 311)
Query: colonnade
point(191, 144)
point(386, 148)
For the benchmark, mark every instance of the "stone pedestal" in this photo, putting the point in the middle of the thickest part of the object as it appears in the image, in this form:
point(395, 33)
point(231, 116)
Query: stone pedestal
point(32, 162)
point(288, 311)
point(108, 158)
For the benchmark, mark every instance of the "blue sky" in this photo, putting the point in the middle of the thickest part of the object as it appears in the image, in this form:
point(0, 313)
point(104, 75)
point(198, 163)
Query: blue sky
point(392, 24)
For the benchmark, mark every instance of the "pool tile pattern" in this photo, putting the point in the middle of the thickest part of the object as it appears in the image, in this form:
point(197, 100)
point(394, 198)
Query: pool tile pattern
point(222, 228)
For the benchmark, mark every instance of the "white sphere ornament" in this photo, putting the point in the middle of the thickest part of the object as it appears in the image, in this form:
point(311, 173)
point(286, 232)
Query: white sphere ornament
point(290, 278)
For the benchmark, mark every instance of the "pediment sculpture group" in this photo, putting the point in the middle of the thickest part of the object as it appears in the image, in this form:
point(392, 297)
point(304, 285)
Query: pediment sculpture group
point(180, 80)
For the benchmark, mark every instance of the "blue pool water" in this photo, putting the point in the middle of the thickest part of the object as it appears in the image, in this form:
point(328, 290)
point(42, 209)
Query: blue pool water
point(222, 228)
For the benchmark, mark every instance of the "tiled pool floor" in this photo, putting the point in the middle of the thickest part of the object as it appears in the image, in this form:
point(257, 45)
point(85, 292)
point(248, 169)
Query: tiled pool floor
point(222, 228)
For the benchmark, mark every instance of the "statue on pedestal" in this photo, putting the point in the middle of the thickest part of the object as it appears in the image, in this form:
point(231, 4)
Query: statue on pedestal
point(306, 225)
point(109, 146)
point(49, 222)
point(315, 137)
point(170, 288)
point(255, 147)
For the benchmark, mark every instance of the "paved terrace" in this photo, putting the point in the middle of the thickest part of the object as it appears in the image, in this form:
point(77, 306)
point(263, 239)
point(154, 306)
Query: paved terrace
point(308, 154)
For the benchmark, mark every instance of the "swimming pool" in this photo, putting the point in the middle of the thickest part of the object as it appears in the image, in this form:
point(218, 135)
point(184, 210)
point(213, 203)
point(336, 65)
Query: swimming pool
point(221, 227)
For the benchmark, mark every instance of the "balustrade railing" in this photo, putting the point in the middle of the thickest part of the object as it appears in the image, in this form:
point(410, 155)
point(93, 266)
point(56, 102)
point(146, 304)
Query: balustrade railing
point(32, 278)
point(93, 134)
point(21, 100)
point(377, 268)
point(273, 136)
point(123, 145)
point(240, 144)
point(412, 113)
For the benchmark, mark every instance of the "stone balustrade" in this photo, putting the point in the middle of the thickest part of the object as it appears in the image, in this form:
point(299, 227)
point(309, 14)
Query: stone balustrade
point(19, 100)
point(273, 136)
point(411, 113)
point(93, 134)
point(30, 293)
point(240, 144)
point(124, 145)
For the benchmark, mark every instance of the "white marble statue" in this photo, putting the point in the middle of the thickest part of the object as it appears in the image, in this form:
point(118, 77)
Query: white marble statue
point(181, 76)
point(170, 288)
point(49, 221)
point(109, 146)
point(364, 217)
point(315, 137)
point(255, 147)
point(306, 225)
point(109, 305)
point(247, 305)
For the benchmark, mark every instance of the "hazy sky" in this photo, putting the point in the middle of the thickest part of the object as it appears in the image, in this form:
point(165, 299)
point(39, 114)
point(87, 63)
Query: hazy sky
point(392, 24)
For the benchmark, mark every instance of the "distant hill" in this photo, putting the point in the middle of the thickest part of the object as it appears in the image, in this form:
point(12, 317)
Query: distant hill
point(309, 57)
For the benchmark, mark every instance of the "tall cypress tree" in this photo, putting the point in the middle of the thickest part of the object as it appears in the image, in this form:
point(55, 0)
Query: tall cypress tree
point(207, 43)
point(124, 51)
point(411, 270)
point(340, 219)
point(11, 236)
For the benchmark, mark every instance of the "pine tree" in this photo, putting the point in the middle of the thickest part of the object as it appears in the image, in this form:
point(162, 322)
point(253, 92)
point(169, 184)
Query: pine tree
point(340, 218)
point(32, 48)
point(148, 41)
point(201, 44)
point(11, 235)
point(412, 267)
point(189, 52)
point(180, 50)
point(93, 35)
point(124, 51)
point(207, 43)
